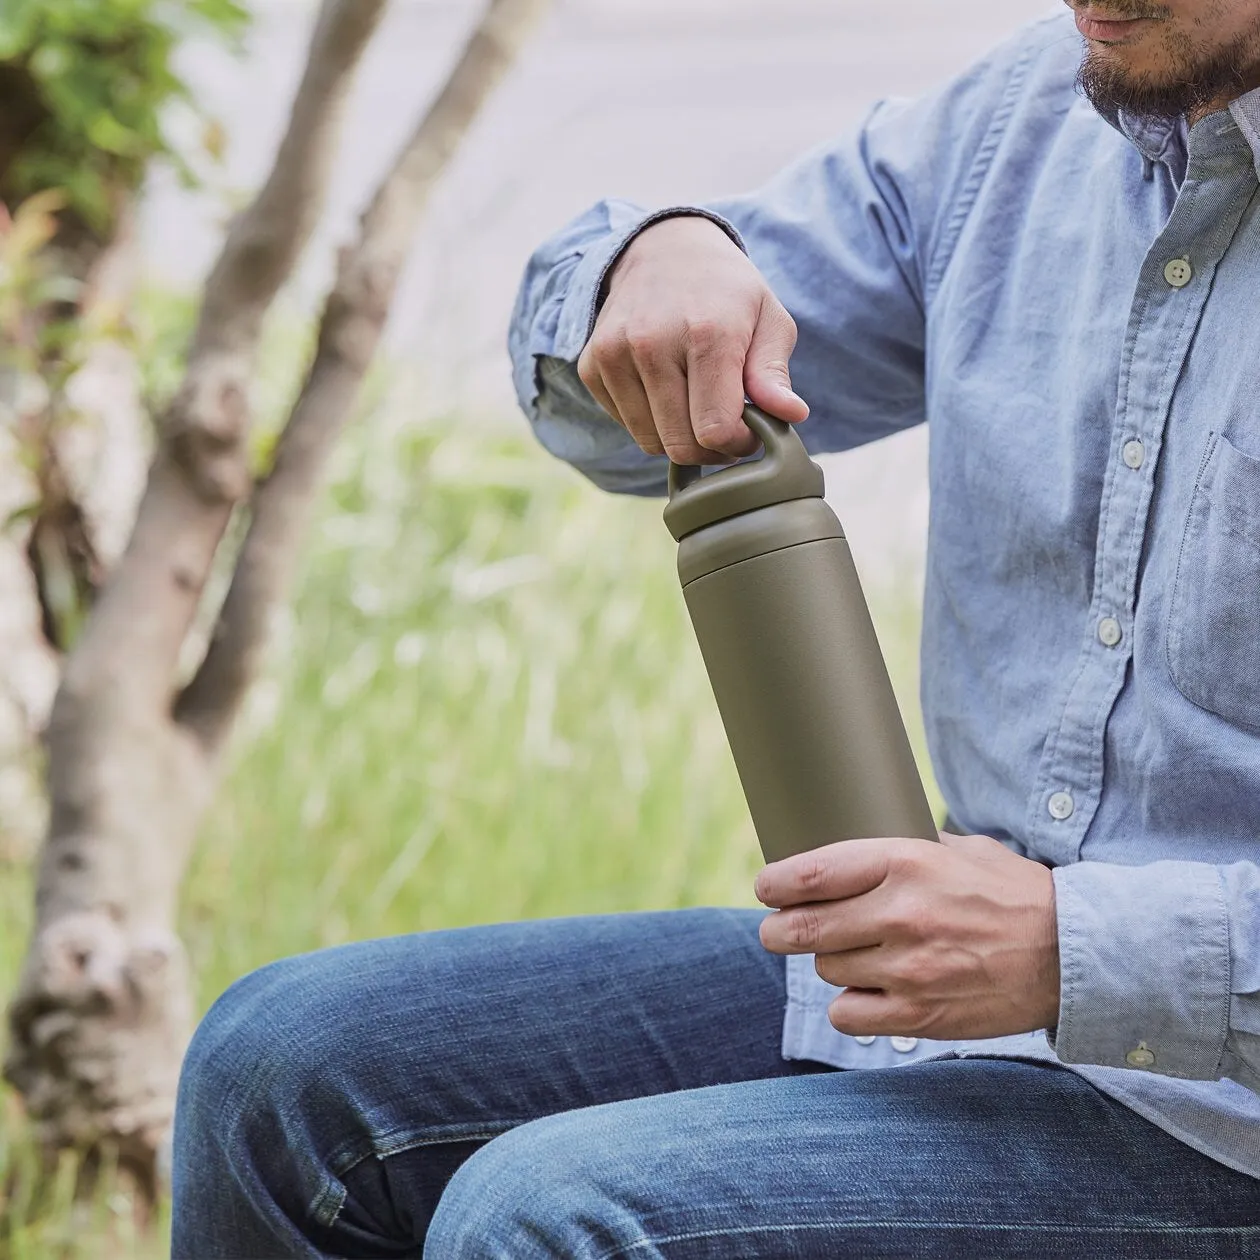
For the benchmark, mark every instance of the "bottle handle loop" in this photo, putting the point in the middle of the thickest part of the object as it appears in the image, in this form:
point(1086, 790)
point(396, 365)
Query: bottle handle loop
point(785, 472)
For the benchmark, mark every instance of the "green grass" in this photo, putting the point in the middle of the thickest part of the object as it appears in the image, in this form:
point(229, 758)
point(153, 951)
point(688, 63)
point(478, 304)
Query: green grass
point(486, 704)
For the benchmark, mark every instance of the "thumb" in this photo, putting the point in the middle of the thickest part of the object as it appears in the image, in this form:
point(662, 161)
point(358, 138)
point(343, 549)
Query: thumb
point(767, 380)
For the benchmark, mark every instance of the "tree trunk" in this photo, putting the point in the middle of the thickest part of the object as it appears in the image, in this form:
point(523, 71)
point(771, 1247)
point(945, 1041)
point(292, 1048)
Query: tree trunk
point(103, 1009)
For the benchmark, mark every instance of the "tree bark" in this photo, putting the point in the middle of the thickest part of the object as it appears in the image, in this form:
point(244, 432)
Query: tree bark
point(103, 1006)
point(103, 1009)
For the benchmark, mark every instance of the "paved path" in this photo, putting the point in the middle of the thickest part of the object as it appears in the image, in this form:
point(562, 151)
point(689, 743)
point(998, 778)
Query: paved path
point(657, 100)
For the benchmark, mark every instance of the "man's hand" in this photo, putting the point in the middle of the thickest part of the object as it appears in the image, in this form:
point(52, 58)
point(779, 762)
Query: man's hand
point(690, 328)
point(945, 941)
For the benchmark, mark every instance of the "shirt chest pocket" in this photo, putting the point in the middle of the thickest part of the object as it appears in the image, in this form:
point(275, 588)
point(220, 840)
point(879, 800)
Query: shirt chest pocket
point(1213, 639)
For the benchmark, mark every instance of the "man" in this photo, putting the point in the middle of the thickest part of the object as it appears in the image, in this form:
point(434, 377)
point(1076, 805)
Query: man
point(1052, 1025)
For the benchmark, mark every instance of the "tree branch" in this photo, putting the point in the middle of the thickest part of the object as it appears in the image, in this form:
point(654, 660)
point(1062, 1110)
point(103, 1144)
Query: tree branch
point(134, 636)
point(350, 333)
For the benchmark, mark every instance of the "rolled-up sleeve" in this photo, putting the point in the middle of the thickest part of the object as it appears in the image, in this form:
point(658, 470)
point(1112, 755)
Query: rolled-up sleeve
point(1160, 969)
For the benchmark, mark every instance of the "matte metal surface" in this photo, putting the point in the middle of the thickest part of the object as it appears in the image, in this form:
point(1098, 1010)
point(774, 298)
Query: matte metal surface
point(805, 697)
point(795, 664)
point(784, 473)
point(754, 534)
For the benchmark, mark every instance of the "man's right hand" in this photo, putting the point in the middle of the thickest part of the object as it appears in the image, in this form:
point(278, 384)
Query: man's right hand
point(690, 329)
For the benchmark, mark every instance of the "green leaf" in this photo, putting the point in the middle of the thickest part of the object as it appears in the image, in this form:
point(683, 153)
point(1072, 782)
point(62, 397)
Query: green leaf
point(106, 132)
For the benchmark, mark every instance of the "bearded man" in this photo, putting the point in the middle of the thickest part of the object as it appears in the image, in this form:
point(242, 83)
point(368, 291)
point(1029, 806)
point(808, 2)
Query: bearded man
point(1038, 1038)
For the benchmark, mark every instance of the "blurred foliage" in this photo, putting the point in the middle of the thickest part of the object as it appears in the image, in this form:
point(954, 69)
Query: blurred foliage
point(86, 84)
point(34, 341)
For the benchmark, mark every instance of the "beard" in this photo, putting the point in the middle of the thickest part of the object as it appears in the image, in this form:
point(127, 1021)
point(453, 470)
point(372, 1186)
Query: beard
point(1197, 74)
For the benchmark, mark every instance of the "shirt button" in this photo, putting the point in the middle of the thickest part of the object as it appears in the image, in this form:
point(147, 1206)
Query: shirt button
point(1179, 273)
point(903, 1045)
point(865, 1041)
point(1141, 1057)
point(1109, 632)
point(1061, 806)
point(1134, 454)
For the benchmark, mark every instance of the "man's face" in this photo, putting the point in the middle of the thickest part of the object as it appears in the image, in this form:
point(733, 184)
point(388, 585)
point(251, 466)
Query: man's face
point(1166, 58)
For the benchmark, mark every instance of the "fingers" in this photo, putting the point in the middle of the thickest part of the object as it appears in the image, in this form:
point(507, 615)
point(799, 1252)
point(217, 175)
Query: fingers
point(875, 1013)
point(687, 326)
point(641, 380)
point(715, 393)
point(767, 380)
point(832, 873)
point(826, 927)
point(625, 387)
point(865, 968)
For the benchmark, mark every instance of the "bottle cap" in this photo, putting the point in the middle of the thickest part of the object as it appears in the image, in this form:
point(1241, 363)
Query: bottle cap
point(783, 474)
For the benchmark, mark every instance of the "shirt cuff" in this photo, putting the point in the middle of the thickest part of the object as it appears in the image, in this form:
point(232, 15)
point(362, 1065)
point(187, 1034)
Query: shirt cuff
point(586, 286)
point(1145, 967)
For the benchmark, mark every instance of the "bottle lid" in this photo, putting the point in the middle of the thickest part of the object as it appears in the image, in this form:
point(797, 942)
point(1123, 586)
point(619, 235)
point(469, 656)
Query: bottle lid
point(784, 473)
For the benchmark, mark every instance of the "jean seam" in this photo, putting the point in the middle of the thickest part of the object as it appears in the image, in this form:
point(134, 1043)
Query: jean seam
point(327, 1204)
point(1206, 1231)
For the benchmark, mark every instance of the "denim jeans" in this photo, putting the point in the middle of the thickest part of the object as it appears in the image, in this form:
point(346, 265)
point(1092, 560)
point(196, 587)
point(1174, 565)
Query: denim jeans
point(568, 1089)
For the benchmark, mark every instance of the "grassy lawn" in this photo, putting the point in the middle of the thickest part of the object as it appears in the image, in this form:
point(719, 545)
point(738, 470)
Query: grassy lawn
point(486, 704)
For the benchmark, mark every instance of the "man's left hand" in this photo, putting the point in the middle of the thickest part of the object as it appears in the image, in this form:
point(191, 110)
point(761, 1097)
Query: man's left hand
point(946, 941)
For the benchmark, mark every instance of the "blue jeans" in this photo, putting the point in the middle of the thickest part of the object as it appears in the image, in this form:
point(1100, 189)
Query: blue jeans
point(567, 1089)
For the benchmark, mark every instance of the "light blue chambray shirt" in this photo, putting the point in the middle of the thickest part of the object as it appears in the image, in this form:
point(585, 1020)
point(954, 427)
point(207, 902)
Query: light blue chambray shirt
point(1072, 304)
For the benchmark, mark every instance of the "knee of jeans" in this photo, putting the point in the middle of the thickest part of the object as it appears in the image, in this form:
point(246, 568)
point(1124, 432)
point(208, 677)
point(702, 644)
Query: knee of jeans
point(252, 1049)
point(545, 1189)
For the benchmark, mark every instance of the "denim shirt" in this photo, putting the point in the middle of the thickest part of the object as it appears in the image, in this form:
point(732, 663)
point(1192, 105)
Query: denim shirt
point(1072, 305)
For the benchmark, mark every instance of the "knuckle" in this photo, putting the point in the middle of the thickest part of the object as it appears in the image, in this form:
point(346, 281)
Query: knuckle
point(588, 369)
point(910, 972)
point(644, 344)
point(912, 912)
point(813, 874)
point(682, 452)
point(706, 335)
point(716, 431)
point(803, 928)
point(601, 353)
point(905, 861)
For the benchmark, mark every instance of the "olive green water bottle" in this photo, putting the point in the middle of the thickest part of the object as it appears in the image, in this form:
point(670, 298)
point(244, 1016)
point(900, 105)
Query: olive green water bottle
point(788, 642)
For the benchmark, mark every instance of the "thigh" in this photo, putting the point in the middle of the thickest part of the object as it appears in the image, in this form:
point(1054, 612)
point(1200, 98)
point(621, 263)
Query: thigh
point(961, 1158)
point(388, 1063)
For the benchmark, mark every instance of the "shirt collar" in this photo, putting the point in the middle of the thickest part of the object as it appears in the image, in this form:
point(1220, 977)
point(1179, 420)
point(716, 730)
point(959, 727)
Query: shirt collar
point(1168, 140)
point(1246, 112)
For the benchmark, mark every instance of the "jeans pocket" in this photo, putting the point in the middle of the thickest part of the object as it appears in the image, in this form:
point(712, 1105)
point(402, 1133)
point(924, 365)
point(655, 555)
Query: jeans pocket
point(1213, 638)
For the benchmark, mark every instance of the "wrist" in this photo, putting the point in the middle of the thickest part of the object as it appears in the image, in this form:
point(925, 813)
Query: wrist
point(682, 230)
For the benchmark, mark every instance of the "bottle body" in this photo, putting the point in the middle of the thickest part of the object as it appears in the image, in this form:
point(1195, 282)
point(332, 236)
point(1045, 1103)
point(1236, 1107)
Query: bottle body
point(791, 651)
point(801, 684)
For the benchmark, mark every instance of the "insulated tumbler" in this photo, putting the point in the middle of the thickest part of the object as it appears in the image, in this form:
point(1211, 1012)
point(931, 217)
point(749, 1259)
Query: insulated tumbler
point(790, 649)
